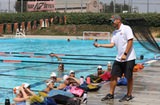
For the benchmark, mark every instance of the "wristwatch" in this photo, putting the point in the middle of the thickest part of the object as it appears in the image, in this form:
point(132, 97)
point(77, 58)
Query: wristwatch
point(125, 54)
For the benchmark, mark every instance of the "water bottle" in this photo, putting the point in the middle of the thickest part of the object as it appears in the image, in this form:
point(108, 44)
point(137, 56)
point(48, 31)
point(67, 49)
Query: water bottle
point(88, 80)
point(7, 101)
point(84, 98)
point(81, 80)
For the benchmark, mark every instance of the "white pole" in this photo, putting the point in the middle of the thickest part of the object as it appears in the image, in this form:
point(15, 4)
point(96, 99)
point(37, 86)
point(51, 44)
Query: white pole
point(147, 6)
point(131, 5)
point(114, 8)
point(81, 5)
point(98, 6)
point(9, 6)
point(21, 6)
point(66, 6)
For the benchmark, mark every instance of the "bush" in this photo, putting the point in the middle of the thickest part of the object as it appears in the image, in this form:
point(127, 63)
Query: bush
point(153, 19)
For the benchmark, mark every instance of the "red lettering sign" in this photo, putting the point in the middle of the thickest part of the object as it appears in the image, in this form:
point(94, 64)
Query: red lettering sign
point(40, 6)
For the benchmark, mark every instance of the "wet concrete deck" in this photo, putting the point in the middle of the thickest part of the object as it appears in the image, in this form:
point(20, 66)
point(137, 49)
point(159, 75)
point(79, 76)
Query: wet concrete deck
point(146, 89)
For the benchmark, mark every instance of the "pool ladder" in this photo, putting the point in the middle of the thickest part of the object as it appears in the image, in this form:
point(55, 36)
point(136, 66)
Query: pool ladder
point(20, 33)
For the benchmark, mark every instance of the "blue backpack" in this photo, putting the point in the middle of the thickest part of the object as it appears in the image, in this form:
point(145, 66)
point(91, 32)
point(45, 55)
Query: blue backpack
point(122, 82)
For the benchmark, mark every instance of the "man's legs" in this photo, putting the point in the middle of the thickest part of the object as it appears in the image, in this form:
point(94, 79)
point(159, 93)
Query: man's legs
point(128, 96)
point(116, 72)
point(129, 75)
point(113, 84)
point(129, 86)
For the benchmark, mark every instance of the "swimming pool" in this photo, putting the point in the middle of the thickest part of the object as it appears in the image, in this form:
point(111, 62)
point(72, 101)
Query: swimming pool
point(35, 65)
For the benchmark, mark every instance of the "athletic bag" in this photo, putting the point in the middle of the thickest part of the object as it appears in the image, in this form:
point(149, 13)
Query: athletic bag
point(92, 87)
point(76, 91)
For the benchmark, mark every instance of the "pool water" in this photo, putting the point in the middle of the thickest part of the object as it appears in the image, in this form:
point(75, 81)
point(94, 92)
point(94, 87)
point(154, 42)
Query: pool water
point(35, 64)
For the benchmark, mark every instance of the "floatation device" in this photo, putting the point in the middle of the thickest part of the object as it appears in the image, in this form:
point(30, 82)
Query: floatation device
point(92, 87)
point(36, 98)
point(138, 67)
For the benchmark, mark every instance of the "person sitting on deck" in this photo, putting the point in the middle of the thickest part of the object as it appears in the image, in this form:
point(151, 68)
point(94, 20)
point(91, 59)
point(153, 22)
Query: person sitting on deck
point(71, 73)
point(65, 83)
point(106, 76)
point(21, 96)
point(101, 75)
point(72, 79)
point(54, 77)
point(49, 86)
point(42, 97)
point(51, 92)
point(69, 81)
point(27, 89)
point(59, 96)
point(95, 78)
point(122, 81)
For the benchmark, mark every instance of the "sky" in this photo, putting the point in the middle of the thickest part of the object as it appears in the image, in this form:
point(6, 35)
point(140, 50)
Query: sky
point(4, 4)
point(141, 5)
point(154, 5)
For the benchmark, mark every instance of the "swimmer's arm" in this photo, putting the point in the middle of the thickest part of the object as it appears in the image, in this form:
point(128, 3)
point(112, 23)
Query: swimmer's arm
point(54, 55)
point(77, 80)
point(17, 99)
point(61, 86)
point(31, 92)
point(20, 99)
point(59, 79)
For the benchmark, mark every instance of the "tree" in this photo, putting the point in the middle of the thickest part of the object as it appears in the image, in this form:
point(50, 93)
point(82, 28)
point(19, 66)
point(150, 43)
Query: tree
point(18, 6)
point(111, 7)
point(118, 7)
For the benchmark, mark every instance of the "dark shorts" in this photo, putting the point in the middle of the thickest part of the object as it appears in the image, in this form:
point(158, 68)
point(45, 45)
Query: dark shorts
point(119, 68)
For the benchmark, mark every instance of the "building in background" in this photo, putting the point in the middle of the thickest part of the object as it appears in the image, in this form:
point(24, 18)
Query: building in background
point(139, 6)
point(59, 6)
point(94, 6)
point(78, 6)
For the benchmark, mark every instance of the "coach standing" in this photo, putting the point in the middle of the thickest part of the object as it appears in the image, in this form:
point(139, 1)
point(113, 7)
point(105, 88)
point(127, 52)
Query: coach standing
point(125, 60)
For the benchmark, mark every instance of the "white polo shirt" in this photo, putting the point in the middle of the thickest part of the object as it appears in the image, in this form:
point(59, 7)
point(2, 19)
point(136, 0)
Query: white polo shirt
point(120, 39)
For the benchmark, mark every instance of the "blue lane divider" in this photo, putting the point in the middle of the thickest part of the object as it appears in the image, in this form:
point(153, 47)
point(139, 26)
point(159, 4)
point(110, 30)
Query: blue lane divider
point(19, 68)
point(27, 56)
point(50, 62)
point(23, 76)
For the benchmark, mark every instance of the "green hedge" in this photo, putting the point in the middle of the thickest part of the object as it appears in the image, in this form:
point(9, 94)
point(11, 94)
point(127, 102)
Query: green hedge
point(27, 16)
point(153, 19)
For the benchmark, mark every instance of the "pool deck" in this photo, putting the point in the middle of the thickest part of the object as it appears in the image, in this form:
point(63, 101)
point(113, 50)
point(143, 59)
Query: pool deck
point(146, 89)
point(53, 37)
point(45, 36)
